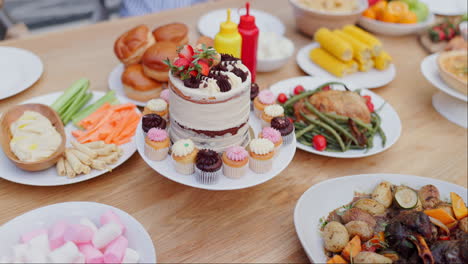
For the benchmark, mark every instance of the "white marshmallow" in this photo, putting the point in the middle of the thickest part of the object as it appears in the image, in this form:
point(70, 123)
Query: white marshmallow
point(86, 222)
point(80, 259)
point(20, 252)
point(35, 255)
point(106, 234)
point(131, 256)
point(41, 243)
point(64, 254)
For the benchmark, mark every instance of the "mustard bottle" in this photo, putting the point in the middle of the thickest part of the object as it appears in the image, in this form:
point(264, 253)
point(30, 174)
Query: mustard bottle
point(228, 40)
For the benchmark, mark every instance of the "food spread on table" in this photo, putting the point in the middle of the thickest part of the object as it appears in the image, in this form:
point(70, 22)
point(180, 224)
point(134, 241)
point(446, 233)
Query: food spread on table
point(398, 11)
point(75, 240)
point(33, 137)
point(397, 224)
point(349, 50)
point(445, 35)
point(453, 67)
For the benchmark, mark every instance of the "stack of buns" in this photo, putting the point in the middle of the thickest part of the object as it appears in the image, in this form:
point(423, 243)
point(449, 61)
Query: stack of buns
point(143, 53)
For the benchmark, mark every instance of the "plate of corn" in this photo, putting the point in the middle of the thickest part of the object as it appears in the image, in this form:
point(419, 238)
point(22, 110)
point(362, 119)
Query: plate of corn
point(349, 55)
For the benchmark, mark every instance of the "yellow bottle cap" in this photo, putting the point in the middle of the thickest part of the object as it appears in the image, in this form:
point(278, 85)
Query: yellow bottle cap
point(228, 27)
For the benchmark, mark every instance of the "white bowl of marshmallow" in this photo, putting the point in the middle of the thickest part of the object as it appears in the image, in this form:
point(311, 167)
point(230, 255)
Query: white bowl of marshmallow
point(273, 51)
point(75, 232)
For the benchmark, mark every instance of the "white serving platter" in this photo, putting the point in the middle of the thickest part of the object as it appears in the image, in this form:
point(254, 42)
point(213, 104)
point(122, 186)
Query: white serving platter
point(50, 177)
point(391, 123)
point(19, 70)
point(395, 29)
point(45, 217)
point(166, 167)
point(368, 80)
point(448, 7)
point(115, 84)
point(319, 200)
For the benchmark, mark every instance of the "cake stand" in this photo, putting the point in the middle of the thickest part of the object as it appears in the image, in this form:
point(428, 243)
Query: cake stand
point(449, 102)
point(166, 167)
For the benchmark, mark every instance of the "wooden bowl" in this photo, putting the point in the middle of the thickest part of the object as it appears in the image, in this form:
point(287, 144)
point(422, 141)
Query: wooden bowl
point(11, 116)
point(309, 20)
point(450, 78)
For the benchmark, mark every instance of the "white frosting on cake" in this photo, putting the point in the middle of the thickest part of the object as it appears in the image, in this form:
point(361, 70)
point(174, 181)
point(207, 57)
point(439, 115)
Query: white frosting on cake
point(274, 110)
point(261, 146)
point(183, 147)
point(156, 105)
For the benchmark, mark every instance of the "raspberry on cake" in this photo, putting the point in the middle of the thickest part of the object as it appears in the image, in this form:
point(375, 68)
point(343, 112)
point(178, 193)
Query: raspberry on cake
point(210, 98)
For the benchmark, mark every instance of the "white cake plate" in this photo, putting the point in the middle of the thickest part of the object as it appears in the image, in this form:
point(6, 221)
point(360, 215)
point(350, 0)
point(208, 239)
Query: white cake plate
point(166, 167)
point(453, 109)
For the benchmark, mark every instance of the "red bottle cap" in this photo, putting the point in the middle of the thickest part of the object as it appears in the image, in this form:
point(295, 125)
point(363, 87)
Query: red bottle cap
point(247, 21)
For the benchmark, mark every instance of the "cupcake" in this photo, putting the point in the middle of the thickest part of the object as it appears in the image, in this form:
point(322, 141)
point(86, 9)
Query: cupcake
point(208, 166)
point(285, 127)
point(184, 154)
point(270, 112)
point(165, 95)
point(254, 89)
point(264, 98)
point(261, 155)
point(156, 106)
point(157, 144)
point(150, 121)
point(235, 161)
point(273, 135)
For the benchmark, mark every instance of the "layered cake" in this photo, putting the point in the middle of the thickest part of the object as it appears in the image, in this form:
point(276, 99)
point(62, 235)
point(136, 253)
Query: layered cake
point(209, 99)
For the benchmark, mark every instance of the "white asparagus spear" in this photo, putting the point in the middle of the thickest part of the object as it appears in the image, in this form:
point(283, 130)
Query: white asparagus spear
point(85, 159)
point(105, 151)
point(95, 144)
point(110, 159)
point(70, 172)
point(98, 165)
point(61, 167)
point(75, 163)
point(90, 152)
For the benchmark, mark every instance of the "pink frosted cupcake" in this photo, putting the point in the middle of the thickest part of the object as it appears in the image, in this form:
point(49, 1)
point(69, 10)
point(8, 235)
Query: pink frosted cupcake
point(235, 160)
point(165, 95)
point(264, 98)
point(157, 144)
point(273, 135)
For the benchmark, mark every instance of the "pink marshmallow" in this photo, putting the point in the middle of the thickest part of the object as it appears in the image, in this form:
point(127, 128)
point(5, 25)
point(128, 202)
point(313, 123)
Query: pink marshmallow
point(28, 236)
point(92, 254)
point(110, 216)
point(115, 252)
point(56, 234)
point(78, 233)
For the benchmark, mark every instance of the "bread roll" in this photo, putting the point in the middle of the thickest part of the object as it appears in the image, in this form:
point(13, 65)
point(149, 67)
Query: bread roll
point(153, 60)
point(138, 86)
point(131, 45)
point(174, 32)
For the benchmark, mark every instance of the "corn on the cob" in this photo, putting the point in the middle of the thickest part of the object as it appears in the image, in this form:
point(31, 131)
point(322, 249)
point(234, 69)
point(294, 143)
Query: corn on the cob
point(352, 67)
point(329, 62)
point(361, 51)
point(382, 61)
point(363, 36)
point(334, 45)
point(365, 66)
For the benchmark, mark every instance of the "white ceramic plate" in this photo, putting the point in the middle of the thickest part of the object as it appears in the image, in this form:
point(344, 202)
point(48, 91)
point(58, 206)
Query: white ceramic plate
point(371, 79)
point(208, 24)
point(447, 7)
point(166, 167)
point(50, 177)
point(395, 29)
point(430, 70)
point(324, 197)
point(391, 123)
point(45, 217)
point(115, 84)
point(19, 70)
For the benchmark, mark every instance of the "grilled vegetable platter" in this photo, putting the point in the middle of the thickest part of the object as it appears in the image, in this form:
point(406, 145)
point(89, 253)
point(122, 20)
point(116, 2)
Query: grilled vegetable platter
point(332, 120)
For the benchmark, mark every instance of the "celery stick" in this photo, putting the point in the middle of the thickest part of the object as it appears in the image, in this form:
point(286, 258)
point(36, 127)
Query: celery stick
point(109, 97)
point(60, 105)
point(81, 101)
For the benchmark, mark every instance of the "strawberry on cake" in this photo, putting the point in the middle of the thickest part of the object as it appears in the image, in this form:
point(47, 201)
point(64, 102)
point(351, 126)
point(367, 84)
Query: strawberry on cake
point(209, 96)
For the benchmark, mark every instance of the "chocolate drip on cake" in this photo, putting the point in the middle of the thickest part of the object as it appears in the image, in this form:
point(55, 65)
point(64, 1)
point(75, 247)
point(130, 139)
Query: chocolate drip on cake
point(254, 90)
point(221, 80)
point(192, 82)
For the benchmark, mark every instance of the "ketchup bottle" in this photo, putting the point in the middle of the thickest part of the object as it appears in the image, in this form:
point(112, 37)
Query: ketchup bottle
point(249, 33)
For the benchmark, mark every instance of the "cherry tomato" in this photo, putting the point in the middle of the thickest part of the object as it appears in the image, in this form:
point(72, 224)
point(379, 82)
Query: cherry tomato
point(368, 98)
point(282, 98)
point(298, 89)
point(370, 106)
point(319, 142)
point(326, 88)
point(291, 120)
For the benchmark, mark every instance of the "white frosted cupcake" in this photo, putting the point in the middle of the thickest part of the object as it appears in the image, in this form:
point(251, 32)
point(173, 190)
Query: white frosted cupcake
point(156, 106)
point(261, 155)
point(235, 160)
point(184, 153)
point(157, 144)
point(273, 135)
point(270, 112)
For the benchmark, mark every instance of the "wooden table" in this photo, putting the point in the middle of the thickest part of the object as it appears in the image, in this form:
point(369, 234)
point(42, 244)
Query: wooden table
point(250, 225)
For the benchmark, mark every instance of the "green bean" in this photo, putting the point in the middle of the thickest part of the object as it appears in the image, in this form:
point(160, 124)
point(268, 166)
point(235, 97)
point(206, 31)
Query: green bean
point(382, 135)
point(307, 143)
point(330, 122)
point(298, 97)
point(378, 122)
point(303, 131)
point(326, 127)
point(345, 119)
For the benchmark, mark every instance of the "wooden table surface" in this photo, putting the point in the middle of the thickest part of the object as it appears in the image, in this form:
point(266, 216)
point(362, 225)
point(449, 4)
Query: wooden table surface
point(250, 225)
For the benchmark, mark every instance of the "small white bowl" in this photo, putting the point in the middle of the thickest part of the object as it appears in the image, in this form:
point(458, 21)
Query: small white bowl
point(395, 29)
point(45, 217)
point(273, 64)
